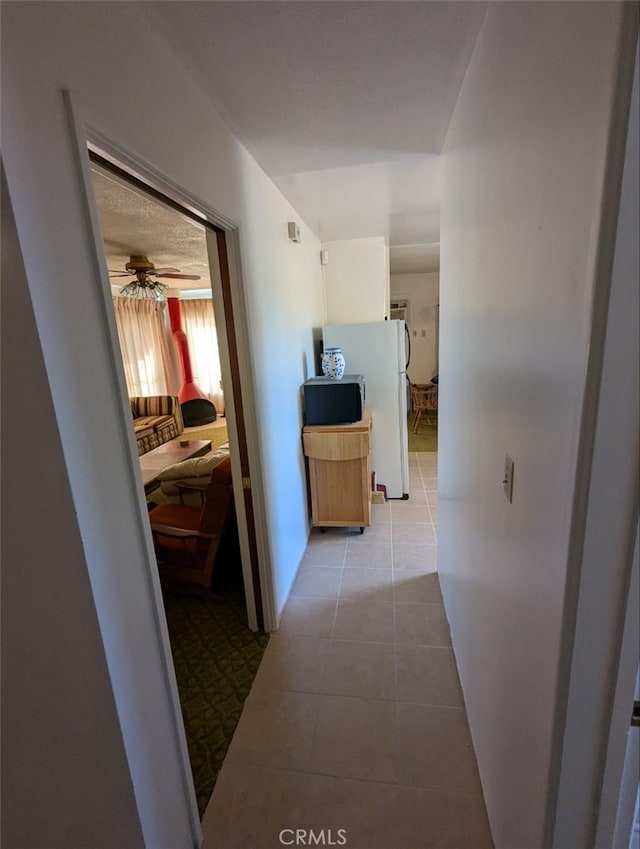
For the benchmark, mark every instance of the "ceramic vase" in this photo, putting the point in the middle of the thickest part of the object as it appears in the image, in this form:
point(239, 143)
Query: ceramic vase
point(333, 363)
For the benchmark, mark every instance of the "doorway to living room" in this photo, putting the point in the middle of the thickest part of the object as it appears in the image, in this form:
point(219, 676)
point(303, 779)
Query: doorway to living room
point(175, 335)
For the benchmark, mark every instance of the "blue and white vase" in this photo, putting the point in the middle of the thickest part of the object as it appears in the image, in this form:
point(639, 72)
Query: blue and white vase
point(333, 363)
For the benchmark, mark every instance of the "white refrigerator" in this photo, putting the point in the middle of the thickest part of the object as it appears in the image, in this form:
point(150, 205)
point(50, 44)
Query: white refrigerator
point(377, 351)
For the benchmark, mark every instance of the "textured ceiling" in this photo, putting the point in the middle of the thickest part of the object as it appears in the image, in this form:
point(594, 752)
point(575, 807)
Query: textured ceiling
point(345, 104)
point(133, 223)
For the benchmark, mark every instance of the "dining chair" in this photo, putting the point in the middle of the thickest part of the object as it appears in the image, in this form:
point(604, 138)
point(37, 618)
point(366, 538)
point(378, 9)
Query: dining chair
point(424, 399)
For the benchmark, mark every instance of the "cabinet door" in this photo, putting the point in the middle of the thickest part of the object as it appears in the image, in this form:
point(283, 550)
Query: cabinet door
point(340, 492)
point(336, 446)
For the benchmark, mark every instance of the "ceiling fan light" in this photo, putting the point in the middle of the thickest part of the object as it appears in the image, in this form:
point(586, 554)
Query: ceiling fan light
point(149, 289)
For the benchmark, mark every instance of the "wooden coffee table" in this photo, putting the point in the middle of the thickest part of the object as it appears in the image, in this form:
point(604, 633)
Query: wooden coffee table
point(157, 460)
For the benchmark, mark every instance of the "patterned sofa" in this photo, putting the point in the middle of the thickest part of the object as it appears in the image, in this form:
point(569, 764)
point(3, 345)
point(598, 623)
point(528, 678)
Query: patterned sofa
point(156, 419)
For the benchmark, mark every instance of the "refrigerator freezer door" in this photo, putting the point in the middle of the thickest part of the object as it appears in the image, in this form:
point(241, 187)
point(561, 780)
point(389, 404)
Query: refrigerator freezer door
point(377, 351)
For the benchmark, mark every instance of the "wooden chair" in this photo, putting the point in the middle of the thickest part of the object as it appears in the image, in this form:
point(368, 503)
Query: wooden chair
point(186, 538)
point(424, 399)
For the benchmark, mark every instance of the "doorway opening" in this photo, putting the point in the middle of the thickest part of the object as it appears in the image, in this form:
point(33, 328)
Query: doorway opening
point(415, 300)
point(415, 296)
point(174, 314)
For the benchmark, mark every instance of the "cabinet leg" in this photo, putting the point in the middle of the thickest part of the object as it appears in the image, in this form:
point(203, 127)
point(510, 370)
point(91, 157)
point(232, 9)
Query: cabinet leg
point(361, 530)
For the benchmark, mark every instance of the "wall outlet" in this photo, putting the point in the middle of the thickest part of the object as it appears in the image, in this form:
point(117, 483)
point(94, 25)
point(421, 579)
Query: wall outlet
point(507, 479)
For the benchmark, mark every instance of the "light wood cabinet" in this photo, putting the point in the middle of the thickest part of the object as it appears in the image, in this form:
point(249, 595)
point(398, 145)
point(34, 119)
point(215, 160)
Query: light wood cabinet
point(339, 458)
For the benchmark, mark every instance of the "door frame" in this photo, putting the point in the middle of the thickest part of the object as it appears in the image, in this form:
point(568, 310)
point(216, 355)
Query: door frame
point(621, 775)
point(597, 670)
point(229, 355)
point(149, 757)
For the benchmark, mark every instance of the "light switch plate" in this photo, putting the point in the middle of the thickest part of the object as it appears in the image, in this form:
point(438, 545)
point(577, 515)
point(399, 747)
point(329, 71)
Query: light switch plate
point(507, 480)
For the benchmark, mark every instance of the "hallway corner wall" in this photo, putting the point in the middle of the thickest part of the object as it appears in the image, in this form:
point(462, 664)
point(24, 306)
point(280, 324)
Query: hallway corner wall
point(356, 280)
point(65, 779)
point(525, 160)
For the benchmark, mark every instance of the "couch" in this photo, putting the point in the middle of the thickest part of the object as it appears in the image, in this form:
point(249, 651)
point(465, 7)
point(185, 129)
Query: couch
point(156, 420)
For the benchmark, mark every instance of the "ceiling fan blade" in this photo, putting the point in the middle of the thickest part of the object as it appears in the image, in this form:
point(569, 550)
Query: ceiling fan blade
point(181, 276)
point(118, 273)
point(165, 270)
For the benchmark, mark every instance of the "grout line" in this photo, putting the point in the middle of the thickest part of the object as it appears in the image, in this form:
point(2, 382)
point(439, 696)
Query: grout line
point(393, 588)
point(439, 788)
point(335, 612)
point(396, 715)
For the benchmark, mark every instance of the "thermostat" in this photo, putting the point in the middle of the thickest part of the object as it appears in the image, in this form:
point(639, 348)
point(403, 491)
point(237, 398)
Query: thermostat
point(294, 231)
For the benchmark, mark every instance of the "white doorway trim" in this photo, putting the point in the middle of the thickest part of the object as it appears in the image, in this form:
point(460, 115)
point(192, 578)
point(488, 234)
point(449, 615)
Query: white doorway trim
point(267, 589)
point(622, 770)
point(601, 617)
point(156, 751)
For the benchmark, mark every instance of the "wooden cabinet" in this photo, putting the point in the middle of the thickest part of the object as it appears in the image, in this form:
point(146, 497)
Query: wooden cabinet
point(339, 458)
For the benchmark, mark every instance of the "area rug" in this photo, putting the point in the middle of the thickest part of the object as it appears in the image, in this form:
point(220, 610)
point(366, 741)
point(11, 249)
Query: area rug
point(426, 439)
point(216, 658)
point(217, 435)
point(215, 655)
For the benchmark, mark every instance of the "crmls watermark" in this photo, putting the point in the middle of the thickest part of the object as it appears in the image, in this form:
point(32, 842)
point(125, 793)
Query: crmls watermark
point(309, 837)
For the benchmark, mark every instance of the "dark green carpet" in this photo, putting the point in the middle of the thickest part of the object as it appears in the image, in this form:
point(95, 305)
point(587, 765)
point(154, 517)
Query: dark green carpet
point(217, 435)
point(216, 658)
point(426, 439)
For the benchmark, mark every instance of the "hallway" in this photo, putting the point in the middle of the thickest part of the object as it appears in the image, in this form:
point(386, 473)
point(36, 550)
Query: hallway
point(356, 720)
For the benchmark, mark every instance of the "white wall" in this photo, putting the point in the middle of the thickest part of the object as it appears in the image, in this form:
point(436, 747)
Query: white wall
point(423, 293)
point(356, 281)
point(87, 47)
point(56, 791)
point(524, 164)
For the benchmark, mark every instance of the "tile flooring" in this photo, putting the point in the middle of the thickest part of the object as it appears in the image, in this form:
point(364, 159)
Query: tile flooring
point(356, 719)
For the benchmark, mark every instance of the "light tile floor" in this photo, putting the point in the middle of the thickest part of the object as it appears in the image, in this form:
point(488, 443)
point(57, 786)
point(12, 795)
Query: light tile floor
point(356, 720)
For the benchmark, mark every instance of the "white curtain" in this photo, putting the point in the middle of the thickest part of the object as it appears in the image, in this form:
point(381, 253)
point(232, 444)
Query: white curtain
point(200, 326)
point(147, 347)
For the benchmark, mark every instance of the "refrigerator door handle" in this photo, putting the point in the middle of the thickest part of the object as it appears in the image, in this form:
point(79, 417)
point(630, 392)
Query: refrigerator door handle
point(407, 347)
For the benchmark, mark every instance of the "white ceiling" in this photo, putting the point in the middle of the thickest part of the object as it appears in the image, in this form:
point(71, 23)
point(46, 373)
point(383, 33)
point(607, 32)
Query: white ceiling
point(400, 200)
point(414, 259)
point(345, 104)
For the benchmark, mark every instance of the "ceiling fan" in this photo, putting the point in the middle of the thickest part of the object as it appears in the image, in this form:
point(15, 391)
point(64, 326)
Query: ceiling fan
point(146, 283)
